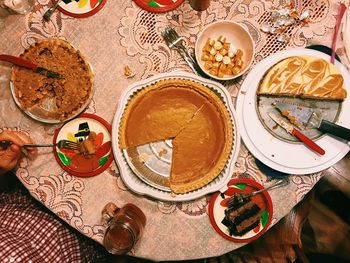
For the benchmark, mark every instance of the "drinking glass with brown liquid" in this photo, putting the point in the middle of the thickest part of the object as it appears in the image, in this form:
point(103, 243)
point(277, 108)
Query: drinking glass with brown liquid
point(125, 227)
point(199, 5)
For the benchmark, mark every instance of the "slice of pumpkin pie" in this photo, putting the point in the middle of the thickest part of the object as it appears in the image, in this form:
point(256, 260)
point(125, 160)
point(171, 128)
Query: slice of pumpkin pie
point(190, 114)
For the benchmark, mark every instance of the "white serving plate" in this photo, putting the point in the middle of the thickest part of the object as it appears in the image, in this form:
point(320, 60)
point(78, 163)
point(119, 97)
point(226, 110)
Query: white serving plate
point(281, 155)
point(139, 186)
point(236, 34)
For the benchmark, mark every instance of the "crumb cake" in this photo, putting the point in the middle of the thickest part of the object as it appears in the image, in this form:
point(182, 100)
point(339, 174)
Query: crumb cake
point(66, 95)
point(190, 114)
point(304, 77)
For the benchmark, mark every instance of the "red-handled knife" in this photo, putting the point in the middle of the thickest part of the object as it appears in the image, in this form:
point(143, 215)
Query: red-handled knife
point(302, 137)
point(27, 64)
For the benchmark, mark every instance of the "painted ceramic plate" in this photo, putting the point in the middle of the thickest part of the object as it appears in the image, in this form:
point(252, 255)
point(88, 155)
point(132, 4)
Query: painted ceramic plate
point(158, 6)
point(86, 127)
point(282, 155)
point(80, 8)
point(218, 204)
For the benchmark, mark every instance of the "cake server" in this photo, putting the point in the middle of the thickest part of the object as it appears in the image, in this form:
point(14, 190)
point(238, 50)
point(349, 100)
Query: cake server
point(27, 64)
point(290, 129)
point(308, 117)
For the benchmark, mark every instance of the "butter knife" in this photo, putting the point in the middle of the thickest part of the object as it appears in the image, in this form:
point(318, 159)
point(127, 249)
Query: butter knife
point(28, 64)
point(293, 131)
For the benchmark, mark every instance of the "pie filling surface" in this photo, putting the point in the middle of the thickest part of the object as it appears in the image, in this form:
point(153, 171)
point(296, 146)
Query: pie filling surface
point(61, 97)
point(305, 77)
point(190, 114)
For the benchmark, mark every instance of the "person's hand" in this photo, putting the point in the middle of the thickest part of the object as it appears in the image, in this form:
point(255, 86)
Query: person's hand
point(10, 156)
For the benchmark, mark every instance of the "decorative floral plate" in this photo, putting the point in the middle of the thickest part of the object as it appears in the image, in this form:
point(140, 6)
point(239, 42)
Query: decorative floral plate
point(80, 8)
point(219, 202)
point(158, 6)
point(85, 127)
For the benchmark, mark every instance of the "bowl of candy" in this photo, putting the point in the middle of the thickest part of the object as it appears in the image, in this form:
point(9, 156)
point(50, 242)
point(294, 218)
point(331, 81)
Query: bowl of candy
point(224, 50)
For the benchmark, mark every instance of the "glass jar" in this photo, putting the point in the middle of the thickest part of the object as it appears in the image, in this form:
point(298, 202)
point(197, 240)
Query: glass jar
point(125, 228)
point(199, 5)
point(16, 6)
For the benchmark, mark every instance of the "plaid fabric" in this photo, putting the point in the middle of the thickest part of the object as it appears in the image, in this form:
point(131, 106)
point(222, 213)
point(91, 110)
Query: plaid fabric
point(31, 233)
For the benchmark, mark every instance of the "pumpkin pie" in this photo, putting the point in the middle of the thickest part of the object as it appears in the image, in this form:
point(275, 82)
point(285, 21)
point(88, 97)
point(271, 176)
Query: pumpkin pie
point(190, 114)
point(304, 77)
point(69, 93)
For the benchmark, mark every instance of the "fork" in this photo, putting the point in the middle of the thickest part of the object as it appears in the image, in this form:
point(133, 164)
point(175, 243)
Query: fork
point(174, 41)
point(50, 11)
point(241, 196)
point(64, 144)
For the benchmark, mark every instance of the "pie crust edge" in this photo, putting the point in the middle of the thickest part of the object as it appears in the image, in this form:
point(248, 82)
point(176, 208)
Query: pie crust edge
point(211, 97)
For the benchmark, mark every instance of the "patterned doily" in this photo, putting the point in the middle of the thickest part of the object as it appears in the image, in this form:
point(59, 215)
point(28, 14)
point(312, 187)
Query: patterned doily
point(136, 35)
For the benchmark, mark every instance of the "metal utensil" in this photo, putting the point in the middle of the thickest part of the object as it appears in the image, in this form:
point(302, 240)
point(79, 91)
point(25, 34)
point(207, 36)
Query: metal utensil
point(30, 65)
point(50, 11)
point(308, 117)
point(64, 144)
point(302, 137)
point(241, 196)
point(174, 41)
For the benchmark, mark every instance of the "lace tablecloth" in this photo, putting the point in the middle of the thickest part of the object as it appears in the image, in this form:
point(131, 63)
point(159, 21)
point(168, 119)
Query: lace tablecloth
point(123, 34)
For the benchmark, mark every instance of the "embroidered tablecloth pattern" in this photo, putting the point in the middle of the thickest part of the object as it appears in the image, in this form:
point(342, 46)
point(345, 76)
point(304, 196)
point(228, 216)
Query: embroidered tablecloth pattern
point(122, 34)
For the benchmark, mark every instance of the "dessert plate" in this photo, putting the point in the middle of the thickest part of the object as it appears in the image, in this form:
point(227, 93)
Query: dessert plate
point(46, 110)
point(78, 130)
point(218, 204)
point(283, 155)
point(80, 9)
point(158, 6)
point(145, 170)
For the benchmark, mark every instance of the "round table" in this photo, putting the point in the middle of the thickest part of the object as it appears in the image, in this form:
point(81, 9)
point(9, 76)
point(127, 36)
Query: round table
point(122, 34)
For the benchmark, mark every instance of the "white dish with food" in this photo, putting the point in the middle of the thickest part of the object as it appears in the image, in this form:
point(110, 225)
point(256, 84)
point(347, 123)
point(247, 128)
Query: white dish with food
point(282, 155)
point(130, 170)
point(231, 50)
point(53, 100)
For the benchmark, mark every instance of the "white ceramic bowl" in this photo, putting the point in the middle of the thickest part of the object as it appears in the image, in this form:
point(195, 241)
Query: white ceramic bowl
point(236, 35)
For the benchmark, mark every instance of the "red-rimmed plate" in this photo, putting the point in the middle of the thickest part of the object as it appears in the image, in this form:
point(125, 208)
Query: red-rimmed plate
point(218, 204)
point(158, 6)
point(80, 129)
point(81, 8)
